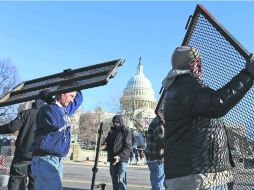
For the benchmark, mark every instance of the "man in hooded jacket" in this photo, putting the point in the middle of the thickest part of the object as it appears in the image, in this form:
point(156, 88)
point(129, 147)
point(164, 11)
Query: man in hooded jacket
point(22, 160)
point(118, 145)
point(196, 147)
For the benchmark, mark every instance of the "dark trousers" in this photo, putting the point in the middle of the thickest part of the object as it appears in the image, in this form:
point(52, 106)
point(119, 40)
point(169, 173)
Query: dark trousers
point(18, 176)
point(118, 175)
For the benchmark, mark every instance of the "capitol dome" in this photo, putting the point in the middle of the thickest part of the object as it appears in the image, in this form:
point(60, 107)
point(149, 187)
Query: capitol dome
point(138, 96)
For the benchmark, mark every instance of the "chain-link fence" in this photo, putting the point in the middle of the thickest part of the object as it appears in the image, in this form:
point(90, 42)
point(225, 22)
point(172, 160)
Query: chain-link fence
point(222, 58)
point(7, 148)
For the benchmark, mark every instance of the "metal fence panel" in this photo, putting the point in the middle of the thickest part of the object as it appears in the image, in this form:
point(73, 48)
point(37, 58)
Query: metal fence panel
point(7, 148)
point(222, 58)
point(68, 80)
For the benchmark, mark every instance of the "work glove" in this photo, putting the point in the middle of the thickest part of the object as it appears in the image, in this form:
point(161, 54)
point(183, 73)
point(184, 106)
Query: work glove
point(45, 96)
point(250, 66)
point(116, 160)
point(103, 147)
point(162, 152)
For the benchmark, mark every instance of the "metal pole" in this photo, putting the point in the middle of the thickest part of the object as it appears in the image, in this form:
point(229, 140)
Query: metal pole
point(95, 169)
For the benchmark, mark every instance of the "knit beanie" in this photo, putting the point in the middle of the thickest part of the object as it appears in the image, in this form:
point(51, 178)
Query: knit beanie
point(183, 56)
point(118, 118)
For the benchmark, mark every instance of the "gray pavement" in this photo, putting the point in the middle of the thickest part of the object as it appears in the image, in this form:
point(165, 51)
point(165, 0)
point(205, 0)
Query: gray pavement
point(102, 164)
point(78, 176)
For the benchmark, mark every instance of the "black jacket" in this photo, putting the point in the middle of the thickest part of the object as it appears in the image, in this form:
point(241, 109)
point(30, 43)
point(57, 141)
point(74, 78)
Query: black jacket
point(25, 123)
point(119, 143)
point(195, 139)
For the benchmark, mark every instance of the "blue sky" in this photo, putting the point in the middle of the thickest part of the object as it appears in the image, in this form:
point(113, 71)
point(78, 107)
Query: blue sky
point(44, 38)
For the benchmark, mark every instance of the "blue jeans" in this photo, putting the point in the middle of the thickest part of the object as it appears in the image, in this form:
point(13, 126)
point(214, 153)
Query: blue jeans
point(118, 175)
point(156, 174)
point(47, 172)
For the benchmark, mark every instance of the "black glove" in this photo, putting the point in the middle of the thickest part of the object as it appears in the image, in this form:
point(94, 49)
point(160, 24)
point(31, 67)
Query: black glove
point(250, 68)
point(45, 96)
point(250, 65)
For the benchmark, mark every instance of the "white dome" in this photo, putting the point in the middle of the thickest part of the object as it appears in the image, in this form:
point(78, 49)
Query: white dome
point(138, 99)
point(139, 79)
point(139, 86)
point(139, 89)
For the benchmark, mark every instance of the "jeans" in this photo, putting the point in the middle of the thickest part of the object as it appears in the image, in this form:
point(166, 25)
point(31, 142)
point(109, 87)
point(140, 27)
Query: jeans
point(118, 175)
point(18, 176)
point(156, 174)
point(47, 172)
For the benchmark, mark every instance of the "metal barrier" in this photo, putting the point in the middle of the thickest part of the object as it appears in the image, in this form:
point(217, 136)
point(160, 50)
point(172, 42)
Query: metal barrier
point(67, 81)
point(7, 148)
point(222, 58)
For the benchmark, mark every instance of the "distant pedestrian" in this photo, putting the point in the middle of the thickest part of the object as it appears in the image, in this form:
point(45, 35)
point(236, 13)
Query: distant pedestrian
point(118, 145)
point(133, 153)
point(154, 153)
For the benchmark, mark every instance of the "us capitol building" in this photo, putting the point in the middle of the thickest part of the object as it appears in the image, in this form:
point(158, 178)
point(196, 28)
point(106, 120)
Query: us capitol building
point(138, 99)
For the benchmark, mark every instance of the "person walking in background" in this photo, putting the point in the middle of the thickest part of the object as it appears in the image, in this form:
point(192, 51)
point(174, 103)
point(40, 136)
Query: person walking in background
point(52, 139)
point(133, 152)
point(154, 152)
point(118, 145)
point(22, 160)
point(196, 146)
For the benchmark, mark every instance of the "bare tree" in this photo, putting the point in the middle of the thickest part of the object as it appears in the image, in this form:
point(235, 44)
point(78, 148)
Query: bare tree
point(8, 80)
point(129, 110)
point(89, 125)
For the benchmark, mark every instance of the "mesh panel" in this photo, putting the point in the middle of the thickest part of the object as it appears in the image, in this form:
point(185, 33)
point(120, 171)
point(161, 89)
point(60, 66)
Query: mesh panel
point(77, 74)
point(90, 81)
point(7, 148)
point(67, 81)
point(222, 58)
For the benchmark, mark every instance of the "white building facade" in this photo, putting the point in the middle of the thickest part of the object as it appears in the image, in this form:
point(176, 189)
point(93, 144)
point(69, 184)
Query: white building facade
point(138, 99)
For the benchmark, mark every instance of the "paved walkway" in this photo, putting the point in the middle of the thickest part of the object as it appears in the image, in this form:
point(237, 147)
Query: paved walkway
point(101, 164)
point(89, 163)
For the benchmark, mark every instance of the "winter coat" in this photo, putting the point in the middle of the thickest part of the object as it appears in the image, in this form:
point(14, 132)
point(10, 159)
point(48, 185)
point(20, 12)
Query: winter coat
point(51, 123)
point(119, 143)
point(155, 140)
point(25, 123)
point(195, 137)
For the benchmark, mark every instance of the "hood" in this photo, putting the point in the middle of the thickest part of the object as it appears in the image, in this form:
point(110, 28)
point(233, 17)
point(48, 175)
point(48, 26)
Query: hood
point(118, 118)
point(171, 76)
